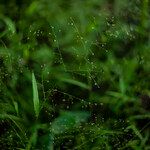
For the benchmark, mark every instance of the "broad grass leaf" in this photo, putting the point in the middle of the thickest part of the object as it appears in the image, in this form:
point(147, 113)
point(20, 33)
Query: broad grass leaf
point(35, 96)
point(68, 120)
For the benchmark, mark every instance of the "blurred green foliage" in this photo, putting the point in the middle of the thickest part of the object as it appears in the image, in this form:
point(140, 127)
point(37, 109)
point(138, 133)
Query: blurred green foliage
point(74, 74)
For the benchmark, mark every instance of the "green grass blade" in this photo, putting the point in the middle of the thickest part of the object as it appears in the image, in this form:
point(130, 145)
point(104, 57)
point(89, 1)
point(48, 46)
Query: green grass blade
point(35, 96)
point(77, 83)
point(136, 131)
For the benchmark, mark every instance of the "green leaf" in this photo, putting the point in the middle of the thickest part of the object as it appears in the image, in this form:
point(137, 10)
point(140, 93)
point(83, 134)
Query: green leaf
point(35, 96)
point(47, 140)
point(32, 140)
point(74, 82)
point(122, 85)
point(16, 107)
point(68, 120)
point(10, 24)
point(136, 131)
point(146, 116)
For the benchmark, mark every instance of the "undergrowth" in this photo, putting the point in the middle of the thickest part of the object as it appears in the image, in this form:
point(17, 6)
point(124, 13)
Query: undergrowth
point(74, 74)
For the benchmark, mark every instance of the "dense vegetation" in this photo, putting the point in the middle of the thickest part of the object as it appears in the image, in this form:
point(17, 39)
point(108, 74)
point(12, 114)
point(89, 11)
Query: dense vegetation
point(74, 74)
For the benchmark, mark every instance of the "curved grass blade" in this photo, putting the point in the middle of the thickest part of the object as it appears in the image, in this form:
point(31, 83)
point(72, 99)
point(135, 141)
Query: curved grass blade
point(35, 96)
point(77, 83)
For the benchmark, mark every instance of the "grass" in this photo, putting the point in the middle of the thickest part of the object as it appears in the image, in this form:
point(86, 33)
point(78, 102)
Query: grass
point(74, 75)
point(35, 96)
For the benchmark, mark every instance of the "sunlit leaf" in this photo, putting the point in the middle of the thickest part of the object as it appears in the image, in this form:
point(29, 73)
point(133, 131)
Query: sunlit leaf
point(35, 96)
